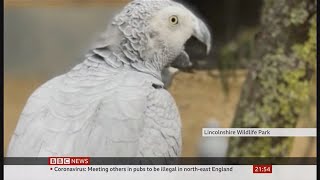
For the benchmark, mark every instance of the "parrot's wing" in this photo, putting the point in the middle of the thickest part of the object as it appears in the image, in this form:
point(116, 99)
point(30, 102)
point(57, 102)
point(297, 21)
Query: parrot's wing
point(161, 135)
point(81, 115)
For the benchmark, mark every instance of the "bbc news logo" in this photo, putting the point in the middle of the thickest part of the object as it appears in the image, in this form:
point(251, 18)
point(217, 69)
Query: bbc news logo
point(68, 160)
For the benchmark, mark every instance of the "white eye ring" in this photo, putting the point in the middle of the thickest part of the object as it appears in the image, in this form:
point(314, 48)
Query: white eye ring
point(174, 20)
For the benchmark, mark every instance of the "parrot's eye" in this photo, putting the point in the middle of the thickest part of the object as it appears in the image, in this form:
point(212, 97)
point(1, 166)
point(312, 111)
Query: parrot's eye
point(174, 20)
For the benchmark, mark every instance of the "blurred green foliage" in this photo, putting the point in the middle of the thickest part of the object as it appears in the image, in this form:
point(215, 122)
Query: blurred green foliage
point(307, 52)
point(277, 88)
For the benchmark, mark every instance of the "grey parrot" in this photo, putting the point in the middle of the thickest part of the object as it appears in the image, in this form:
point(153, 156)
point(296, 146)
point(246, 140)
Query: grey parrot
point(114, 103)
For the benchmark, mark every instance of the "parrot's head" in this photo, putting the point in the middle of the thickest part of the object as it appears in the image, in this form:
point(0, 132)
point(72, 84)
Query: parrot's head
point(152, 34)
point(174, 25)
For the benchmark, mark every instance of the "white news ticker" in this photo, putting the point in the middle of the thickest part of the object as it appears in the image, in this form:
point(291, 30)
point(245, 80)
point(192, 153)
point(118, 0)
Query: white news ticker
point(279, 172)
point(259, 132)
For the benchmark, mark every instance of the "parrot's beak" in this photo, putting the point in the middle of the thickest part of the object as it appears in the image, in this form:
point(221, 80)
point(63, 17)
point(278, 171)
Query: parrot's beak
point(183, 63)
point(202, 33)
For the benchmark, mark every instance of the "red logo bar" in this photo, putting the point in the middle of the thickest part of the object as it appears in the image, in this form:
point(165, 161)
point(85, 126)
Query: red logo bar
point(68, 161)
point(262, 169)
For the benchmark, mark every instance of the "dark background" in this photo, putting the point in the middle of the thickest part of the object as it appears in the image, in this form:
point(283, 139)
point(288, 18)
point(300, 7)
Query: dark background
point(226, 18)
